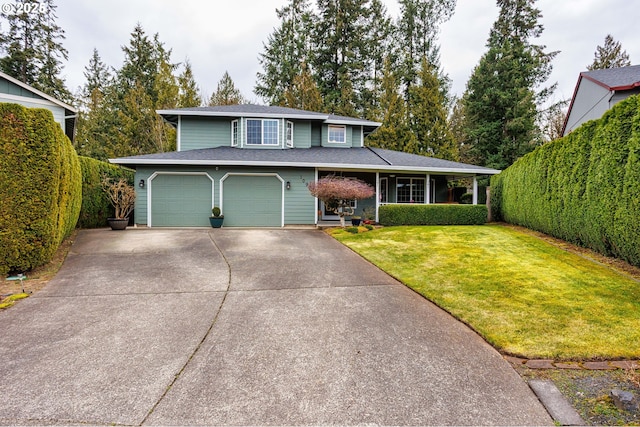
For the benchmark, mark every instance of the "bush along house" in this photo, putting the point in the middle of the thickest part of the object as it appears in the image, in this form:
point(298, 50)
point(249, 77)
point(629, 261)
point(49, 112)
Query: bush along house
point(255, 162)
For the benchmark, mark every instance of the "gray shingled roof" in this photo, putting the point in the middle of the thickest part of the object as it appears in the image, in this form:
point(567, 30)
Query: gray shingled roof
point(325, 157)
point(623, 78)
point(251, 110)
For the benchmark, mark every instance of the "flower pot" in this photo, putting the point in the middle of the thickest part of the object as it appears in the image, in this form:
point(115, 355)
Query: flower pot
point(355, 221)
point(118, 223)
point(216, 221)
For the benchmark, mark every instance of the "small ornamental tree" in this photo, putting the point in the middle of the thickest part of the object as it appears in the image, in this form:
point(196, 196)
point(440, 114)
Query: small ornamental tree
point(338, 192)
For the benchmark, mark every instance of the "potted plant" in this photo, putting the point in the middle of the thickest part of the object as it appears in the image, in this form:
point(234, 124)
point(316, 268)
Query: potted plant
point(355, 220)
point(216, 217)
point(122, 197)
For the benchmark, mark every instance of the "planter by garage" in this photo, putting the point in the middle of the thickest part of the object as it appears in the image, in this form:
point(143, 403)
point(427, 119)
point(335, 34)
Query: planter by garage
point(118, 223)
point(216, 221)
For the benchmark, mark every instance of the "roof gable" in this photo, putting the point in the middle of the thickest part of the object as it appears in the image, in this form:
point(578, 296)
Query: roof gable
point(37, 93)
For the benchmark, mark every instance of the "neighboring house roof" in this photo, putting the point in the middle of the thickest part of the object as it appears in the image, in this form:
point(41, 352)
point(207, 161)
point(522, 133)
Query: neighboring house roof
point(623, 78)
point(614, 80)
point(69, 111)
point(365, 158)
point(264, 111)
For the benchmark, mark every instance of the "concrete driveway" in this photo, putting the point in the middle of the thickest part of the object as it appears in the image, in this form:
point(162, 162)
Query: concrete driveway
point(229, 326)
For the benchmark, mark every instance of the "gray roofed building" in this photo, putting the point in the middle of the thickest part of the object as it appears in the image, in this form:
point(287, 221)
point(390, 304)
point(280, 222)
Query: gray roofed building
point(597, 91)
point(254, 162)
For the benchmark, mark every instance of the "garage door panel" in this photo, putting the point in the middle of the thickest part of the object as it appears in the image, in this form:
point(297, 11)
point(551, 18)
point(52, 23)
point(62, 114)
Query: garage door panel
point(181, 201)
point(252, 201)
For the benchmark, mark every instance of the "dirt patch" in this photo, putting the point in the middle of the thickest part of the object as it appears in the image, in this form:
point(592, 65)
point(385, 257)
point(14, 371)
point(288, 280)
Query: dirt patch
point(40, 276)
point(589, 392)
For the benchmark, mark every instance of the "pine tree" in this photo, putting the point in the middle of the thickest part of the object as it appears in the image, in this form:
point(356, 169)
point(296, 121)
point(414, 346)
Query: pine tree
point(418, 28)
point(610, 55)
point(287, 48)
point(378, 47)
point(189, 95)
point(94, 136)
point(502, 94)
point(33, 47)
point(226, 93)
point(303, 93)
point(394, 133)
point(339, 41)
point(428, 115)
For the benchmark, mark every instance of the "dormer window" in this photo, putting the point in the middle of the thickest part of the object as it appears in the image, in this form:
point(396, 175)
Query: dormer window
point(337, 134)
point(262, 132)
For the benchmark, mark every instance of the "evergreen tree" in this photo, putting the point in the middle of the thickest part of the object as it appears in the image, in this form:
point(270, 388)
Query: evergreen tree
point(287, 48)
point(303, 93)
point(94, 135)
point(418, 28)
point(33, 46)
point(189, 93)
point(97, 76)
point(428, 115)
point(501, 99)
point(339, 41)
point(379, 44)
point(226, 93)
point(610, 55)
point(394, 133)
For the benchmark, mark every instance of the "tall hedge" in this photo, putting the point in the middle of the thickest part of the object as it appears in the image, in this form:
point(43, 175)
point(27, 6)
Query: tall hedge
point(583, 188)
point(40, 187)
point(95, 204)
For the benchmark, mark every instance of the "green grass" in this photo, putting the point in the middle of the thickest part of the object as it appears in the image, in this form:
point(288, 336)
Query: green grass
point(524, 295)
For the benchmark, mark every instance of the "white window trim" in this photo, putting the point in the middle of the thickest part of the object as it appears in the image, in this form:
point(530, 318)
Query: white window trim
point(289, 142)
point(234, 141)
point(411, 179)
point(262, 143)
point(344, 133)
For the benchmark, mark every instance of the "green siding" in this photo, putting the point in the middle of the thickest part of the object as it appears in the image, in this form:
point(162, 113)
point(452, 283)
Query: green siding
point(180, 200)
point(301, 134)
point(204, 132)
point(252, 201)
point(13, 89)
point(316, 135)
point(356, 139)
point(325, 138)
point(299, 204)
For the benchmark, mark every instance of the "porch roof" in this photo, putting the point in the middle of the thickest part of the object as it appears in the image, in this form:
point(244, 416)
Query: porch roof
point(361, 158)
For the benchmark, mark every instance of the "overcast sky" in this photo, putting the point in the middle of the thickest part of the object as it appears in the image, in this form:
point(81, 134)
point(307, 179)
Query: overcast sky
point(228, 35)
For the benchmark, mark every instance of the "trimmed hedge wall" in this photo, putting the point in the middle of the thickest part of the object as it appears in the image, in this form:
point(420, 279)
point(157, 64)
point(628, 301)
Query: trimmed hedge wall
point(410, 214)
point(95, 204)
point(40, 187)
point(583, 188)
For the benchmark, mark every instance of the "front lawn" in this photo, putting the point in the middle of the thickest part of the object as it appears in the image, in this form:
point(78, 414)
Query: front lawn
point(524, 295)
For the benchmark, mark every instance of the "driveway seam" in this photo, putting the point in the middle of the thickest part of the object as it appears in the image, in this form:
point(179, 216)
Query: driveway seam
point(206, 335)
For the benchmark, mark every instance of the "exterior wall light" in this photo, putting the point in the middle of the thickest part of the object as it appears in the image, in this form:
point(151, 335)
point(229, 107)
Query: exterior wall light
point(288, 185)
point(141, 183)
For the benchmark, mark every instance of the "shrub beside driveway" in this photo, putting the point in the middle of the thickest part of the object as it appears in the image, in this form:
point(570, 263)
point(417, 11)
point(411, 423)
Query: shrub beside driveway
point(523, 294)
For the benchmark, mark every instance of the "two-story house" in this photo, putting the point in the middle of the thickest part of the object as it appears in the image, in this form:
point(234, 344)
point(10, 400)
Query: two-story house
point(254, 163)
point(599, 90)
point(16, 92)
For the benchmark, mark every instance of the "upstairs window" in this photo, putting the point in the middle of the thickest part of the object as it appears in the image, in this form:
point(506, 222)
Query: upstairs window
point(337, 134)
point(234, 133)
point(262, 132)
point(290, 134)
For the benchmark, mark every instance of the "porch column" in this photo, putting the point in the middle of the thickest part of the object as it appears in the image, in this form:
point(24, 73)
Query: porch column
point(475, 190)
point(427, 196)
point(377, 194)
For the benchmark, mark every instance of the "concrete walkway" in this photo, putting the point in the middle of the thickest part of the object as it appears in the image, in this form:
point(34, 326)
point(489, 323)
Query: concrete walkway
point(260, 327)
